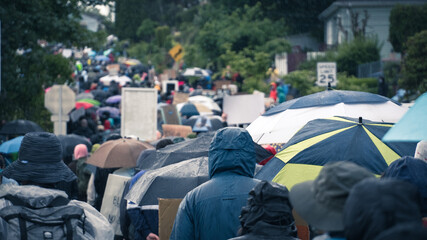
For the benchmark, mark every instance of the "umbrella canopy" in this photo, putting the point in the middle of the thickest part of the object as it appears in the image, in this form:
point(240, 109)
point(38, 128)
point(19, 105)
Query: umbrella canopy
point(174, 153)
point(132, 62)
point(178, 152)
point(118, 153)
point(84, 105)
point(11, 146)
point(122, 80)
point(102, 58)
point(70, 141)
point(114, 99)
point(114, 112)
point(99, 95)
point(189, 109)
point(91, 101)
point(280, 123)
point(20, 127)
point(412, 126)
point(333, 139)
point(84, 95)
point(205, 101)
point(173, 181)
point(195, 72)
point(77, 113)
point(213, 123)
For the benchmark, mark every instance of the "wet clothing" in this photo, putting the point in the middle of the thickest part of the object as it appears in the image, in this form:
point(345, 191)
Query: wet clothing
point(211, 211)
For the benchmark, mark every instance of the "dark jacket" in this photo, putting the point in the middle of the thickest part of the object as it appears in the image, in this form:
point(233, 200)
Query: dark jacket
point(211, 211)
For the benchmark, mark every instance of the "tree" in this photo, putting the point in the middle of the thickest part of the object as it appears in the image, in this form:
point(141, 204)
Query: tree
point(405, 21)
point(414, 67)
point(360, 50)
point(26, 72)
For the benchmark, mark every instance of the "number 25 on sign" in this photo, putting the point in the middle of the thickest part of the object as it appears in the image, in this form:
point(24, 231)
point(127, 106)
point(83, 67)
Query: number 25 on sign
point(326, 74)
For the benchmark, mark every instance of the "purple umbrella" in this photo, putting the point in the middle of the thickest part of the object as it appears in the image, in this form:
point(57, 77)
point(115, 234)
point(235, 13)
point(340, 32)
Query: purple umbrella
point(114, 99)
point(114, 112)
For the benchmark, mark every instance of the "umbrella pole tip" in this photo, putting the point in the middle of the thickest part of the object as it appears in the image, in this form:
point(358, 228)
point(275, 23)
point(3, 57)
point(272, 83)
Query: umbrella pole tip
point(360, 120)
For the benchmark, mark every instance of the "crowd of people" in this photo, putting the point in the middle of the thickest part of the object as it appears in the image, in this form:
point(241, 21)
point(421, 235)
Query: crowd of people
point(47, 195)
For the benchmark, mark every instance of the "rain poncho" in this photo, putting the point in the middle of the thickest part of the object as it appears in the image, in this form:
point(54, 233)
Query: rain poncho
point(211, 211)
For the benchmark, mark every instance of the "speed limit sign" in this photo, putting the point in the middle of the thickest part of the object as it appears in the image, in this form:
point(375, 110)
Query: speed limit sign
point(326, 73)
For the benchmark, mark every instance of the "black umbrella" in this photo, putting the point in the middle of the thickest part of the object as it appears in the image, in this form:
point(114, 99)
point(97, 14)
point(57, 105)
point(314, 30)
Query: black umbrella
point(100, 95)
point(173, 181)
point(193, 148)
point(20, 127)
point(70, 141)
point(189, 110)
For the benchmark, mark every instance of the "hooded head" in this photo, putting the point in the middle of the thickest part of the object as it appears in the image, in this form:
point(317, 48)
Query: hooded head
point(232, 150)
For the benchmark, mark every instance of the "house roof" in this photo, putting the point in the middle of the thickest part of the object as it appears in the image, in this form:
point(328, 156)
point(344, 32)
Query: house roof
point(364, 3)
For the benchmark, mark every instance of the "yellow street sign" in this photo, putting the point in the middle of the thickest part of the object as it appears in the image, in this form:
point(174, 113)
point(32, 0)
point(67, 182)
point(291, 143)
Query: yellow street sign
point(177, 52)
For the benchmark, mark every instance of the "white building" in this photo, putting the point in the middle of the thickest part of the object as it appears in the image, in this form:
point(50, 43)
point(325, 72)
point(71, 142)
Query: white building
point(337, 20)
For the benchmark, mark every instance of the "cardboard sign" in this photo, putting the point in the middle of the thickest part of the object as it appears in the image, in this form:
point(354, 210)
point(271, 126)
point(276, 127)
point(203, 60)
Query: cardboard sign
point(170, 114)
point(170, 130)
point(167, 212)
point(242, 109)
point(222, 84)
point(110, 207)
point(179, 97)
point(139, 113)
point(113, 69)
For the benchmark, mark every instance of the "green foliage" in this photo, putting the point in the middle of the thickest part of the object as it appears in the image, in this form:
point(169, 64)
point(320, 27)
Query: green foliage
point(405, 21)
point(24, 77)
point(358, 51)
point(304, 81)
point(311, 65)
point(163, 37)
point(146, 30)
point(357, 84)
point(414, 67)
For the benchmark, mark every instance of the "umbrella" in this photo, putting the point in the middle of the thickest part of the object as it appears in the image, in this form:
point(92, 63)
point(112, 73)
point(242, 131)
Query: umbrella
point(114, 99)
point(173, 181)
point(208, 102)
point(77, 113)
point(84, 95)
point(174, 153)
point(11, 146)
point(333, 139)
point(118, 153)
point(70, 141)
point(195, 72)
point(178, 152)
point(132, 62)
point(114, 112)
point(189, 109)
point(412, 126)
point(214, 123)
point(280, 123)
point(102, 58)
point(20, 127)
point(91, 101)
point(84, 105)
point(99, 95)
point(122, 80)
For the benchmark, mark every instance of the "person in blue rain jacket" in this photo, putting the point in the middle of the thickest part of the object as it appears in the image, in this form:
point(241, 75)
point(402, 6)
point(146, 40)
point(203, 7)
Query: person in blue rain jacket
point(211, 211)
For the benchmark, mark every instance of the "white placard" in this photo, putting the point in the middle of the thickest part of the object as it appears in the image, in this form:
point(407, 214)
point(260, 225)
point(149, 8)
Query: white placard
point(326, 73)
point(242, 109)
point(139, 113)
point(171, 85)
point(110, 207)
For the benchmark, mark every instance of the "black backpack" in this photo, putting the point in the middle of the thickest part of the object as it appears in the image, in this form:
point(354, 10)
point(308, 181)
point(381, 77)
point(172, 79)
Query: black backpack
point(56, 220)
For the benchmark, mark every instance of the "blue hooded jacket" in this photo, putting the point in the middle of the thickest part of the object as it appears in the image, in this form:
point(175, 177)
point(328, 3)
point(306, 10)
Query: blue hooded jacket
point(211, 211)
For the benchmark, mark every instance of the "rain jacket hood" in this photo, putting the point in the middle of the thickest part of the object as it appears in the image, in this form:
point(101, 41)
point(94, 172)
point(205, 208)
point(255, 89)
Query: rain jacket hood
point(232, 151)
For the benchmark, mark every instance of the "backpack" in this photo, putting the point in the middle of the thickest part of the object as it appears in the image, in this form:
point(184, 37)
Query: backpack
point(55, 220)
